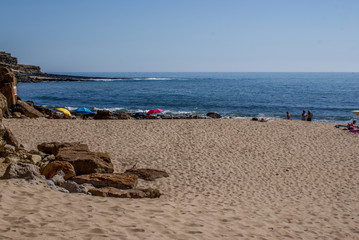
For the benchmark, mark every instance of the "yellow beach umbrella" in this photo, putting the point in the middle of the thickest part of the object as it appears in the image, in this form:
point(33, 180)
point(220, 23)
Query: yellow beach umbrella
point(64, 111)
point(356, 112)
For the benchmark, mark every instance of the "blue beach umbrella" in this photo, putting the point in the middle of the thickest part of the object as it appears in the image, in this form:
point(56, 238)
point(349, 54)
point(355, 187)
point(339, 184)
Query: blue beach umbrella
point(83, 111)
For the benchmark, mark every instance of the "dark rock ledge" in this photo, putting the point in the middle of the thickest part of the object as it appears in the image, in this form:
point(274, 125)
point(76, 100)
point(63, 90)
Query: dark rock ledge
point(32, 73)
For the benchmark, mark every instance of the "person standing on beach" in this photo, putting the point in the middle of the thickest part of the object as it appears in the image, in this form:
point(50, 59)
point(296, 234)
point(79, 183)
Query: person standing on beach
point(288, 116)
point(303, 115)
point(310, 115)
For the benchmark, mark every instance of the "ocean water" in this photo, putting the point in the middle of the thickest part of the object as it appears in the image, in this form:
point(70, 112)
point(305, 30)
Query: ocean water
point(329, 96)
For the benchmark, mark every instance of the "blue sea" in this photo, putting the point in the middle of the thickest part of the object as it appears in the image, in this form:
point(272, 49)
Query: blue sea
point(329, 96)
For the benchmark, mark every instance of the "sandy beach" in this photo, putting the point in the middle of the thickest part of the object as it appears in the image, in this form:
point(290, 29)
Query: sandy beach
point(229, 179)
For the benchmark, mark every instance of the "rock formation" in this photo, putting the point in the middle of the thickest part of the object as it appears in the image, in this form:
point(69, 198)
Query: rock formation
point(104, 114)
point(21, 170)
point(213, 115)
point(116, 180)
point(86, 162)
point(21, 72)
point(32, 73)
point(8, 85)
point(26, 110)
point(54, 147)
point(53, 168)
point(66, 166)
point(62, 175)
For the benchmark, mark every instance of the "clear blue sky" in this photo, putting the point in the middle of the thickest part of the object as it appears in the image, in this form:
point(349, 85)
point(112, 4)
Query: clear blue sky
point(182, 35)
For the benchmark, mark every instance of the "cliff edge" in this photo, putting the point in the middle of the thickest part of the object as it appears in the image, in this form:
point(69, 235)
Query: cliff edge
point(22, 72)
point(32, 73)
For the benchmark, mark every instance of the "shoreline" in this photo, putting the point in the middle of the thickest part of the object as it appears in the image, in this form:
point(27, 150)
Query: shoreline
point(123, 114)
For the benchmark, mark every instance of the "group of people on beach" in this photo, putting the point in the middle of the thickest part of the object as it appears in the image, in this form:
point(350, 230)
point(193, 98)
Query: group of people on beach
point(304, 116)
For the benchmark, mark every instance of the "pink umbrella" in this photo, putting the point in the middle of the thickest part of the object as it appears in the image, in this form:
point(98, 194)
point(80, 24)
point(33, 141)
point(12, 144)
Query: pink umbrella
point(156, 110)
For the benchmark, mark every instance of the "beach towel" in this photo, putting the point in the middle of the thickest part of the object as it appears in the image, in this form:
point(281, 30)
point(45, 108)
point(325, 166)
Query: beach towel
point(353, 131)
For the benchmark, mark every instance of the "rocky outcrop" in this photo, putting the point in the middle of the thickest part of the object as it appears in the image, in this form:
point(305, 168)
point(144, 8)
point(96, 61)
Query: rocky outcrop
point(104, 114)
point(10, 138)
point(8, 85)
point(213, 115)
point(47, 112)
point(79, 156)
point(123, 116)
point(86, 162)
point(21, 170)
point(116, 180)
point(20, 71)
point(32, 73)
point(30, 69)
point(20, 111)
point(25, 109)
point(55, 167)
point(148, 174)
point(54, 147)
point(6, 58)
point(61, 162)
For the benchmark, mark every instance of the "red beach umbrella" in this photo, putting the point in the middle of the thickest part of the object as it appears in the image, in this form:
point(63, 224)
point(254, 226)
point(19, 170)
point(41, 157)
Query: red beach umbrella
point(156, 110)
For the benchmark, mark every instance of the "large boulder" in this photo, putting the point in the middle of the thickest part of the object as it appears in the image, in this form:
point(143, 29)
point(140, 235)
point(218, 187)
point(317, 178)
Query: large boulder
point(116, 180)
point(25, 109)
point(104, 114)
point(21, 170)
point(213, 115)
point(53, 168)
point(128, 193)
point(10, 138)
point(86, 162)
point(123, 116)
point(54, 147)
point(8, 85)
point(148, 174)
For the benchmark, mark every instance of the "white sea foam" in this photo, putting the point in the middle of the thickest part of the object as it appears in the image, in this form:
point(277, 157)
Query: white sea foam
point(127, 79)
point(109, 109)
point(157, 79)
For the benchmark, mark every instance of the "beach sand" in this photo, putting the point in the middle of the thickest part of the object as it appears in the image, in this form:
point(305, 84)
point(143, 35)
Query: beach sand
point(229, 179)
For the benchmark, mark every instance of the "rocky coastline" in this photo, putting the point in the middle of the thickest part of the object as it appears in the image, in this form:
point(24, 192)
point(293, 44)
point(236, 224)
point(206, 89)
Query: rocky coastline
point(62, 166)
point(11, 73)
point(32, 73)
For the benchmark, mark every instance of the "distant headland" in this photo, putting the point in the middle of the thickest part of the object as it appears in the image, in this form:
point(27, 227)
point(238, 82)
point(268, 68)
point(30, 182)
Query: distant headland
point(32, 73)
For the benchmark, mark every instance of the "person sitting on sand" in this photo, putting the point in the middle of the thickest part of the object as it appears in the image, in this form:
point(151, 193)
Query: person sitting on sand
point(309, 117)
point(351, 125)
point(288, 116)
point(303, 115)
